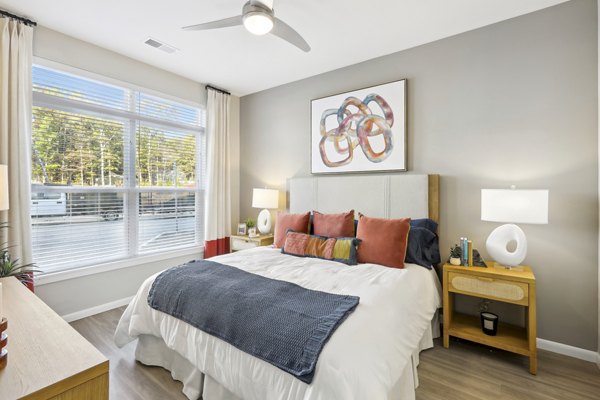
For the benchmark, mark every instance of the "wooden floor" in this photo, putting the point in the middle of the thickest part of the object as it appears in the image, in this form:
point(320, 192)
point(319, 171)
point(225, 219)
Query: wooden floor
point(466, 371)
point(129, 380)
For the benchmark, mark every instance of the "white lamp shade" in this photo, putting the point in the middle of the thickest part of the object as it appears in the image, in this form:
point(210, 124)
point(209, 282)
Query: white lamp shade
point(514, 205)
point(3, 187)
point(265, 198)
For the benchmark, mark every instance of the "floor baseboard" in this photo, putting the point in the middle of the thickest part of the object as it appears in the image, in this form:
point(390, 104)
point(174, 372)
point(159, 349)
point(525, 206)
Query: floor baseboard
point(88, 312)
point(567, 350)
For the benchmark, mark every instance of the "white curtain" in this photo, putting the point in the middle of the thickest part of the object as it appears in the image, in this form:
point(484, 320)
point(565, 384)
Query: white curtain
point(15, 132)
point(217, 215)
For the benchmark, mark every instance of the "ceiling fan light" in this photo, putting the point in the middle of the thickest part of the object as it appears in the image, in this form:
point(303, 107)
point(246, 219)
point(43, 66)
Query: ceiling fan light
point(258, 23)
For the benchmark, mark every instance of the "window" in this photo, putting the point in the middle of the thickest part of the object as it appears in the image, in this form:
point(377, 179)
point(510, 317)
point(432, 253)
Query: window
point(115, 172)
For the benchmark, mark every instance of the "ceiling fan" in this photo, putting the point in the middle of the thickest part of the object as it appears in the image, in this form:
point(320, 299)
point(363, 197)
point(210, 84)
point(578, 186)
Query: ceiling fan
point(258, 17)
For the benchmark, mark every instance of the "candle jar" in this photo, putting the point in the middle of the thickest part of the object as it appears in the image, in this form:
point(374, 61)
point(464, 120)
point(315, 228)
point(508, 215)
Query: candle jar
point(489, 323)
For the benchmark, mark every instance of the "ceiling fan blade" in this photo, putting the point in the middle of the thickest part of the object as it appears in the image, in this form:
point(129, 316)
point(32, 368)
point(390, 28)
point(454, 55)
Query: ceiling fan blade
point(287, 33)
point(222, 23)
point(266, 3)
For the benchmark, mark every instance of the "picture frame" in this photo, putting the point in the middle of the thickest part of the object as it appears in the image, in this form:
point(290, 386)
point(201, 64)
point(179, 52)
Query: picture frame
point(363, 130)
point(242, 229)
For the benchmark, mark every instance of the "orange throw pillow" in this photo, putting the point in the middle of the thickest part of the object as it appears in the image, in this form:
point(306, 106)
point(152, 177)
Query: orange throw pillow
point(383, 240)
point(295, 222)
point(333, 225)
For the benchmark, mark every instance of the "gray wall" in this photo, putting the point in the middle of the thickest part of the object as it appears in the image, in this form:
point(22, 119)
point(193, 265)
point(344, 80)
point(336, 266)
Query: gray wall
point(71, 296)
point(67, 50)
point(511, 103)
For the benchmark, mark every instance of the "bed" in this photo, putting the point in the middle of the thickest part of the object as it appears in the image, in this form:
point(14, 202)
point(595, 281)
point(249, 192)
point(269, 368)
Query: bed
point(373, 354)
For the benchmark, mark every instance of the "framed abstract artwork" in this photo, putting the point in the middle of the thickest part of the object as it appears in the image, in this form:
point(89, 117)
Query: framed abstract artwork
point(360, 131)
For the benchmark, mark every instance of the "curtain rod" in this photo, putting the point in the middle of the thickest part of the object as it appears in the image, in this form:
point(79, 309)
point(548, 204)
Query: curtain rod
point(21, 19)
point(217, 89)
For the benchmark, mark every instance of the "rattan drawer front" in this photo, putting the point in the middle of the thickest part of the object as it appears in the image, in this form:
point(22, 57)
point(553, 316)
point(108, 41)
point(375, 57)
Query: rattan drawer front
point(242, 244)
point(511, 292)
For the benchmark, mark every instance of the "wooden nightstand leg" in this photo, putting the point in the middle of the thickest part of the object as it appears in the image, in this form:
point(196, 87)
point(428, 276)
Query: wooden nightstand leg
point(532, 330)
point(533, 364)
point(447, 310)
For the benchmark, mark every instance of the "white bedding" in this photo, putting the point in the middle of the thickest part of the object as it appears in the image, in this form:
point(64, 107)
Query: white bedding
point(364, 357)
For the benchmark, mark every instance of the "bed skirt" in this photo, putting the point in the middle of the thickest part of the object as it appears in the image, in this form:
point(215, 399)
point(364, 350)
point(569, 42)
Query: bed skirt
point(153, 351)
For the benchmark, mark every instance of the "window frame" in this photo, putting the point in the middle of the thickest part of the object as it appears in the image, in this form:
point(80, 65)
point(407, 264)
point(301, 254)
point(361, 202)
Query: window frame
point(130, 189)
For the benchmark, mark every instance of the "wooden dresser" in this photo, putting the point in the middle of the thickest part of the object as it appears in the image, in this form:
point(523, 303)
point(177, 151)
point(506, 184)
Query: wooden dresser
point(47, 359)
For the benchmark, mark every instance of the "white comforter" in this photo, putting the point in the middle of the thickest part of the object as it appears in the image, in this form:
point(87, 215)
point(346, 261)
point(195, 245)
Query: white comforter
point(364, 357)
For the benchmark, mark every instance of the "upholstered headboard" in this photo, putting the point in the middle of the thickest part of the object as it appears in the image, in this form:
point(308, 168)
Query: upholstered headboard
point(383, 196)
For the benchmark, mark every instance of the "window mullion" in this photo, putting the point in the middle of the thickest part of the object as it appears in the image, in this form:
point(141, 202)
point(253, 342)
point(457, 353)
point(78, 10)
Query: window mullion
point(132, 197)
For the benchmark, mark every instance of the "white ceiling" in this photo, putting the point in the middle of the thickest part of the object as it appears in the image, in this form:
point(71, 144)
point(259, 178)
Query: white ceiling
point(341, 32)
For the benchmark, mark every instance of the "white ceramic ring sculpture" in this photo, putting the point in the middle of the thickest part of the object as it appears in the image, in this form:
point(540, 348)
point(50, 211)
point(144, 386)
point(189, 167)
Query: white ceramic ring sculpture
point(263, 222)
point(498, 241)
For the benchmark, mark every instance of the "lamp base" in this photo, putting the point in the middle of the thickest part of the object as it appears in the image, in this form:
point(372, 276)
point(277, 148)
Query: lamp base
point(498, 241)
point(263, 222)
point(518, 268)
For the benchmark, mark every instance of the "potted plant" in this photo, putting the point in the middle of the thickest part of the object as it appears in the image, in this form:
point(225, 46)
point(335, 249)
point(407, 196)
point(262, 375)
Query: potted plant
point(11, 267)
point(251, 224)
point(455, 254)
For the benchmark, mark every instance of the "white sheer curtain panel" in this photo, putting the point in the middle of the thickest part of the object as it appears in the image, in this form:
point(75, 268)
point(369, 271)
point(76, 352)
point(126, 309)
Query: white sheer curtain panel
point(15, 133)
point(217, 217)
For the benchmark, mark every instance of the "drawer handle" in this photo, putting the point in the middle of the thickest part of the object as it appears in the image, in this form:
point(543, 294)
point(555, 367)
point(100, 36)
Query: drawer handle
point(485, 279)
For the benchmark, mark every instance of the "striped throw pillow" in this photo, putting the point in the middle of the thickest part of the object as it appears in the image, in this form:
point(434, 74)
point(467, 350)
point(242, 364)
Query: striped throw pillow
point(341, 249)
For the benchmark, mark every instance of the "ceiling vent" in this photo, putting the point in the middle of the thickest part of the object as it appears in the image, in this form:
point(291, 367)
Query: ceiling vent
point(160, 45)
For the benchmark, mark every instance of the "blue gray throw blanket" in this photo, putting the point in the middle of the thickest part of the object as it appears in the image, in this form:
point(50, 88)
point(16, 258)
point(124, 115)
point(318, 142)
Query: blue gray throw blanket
point(277, 321)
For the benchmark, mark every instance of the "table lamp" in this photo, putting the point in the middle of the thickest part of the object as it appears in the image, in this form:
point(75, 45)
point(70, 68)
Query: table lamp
point(265, 199)
point(514, 206)
point(3, 187)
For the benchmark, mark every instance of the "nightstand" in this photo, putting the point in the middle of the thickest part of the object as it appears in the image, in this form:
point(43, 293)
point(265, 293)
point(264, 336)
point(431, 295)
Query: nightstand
point(238, 242)
point(498, 284)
